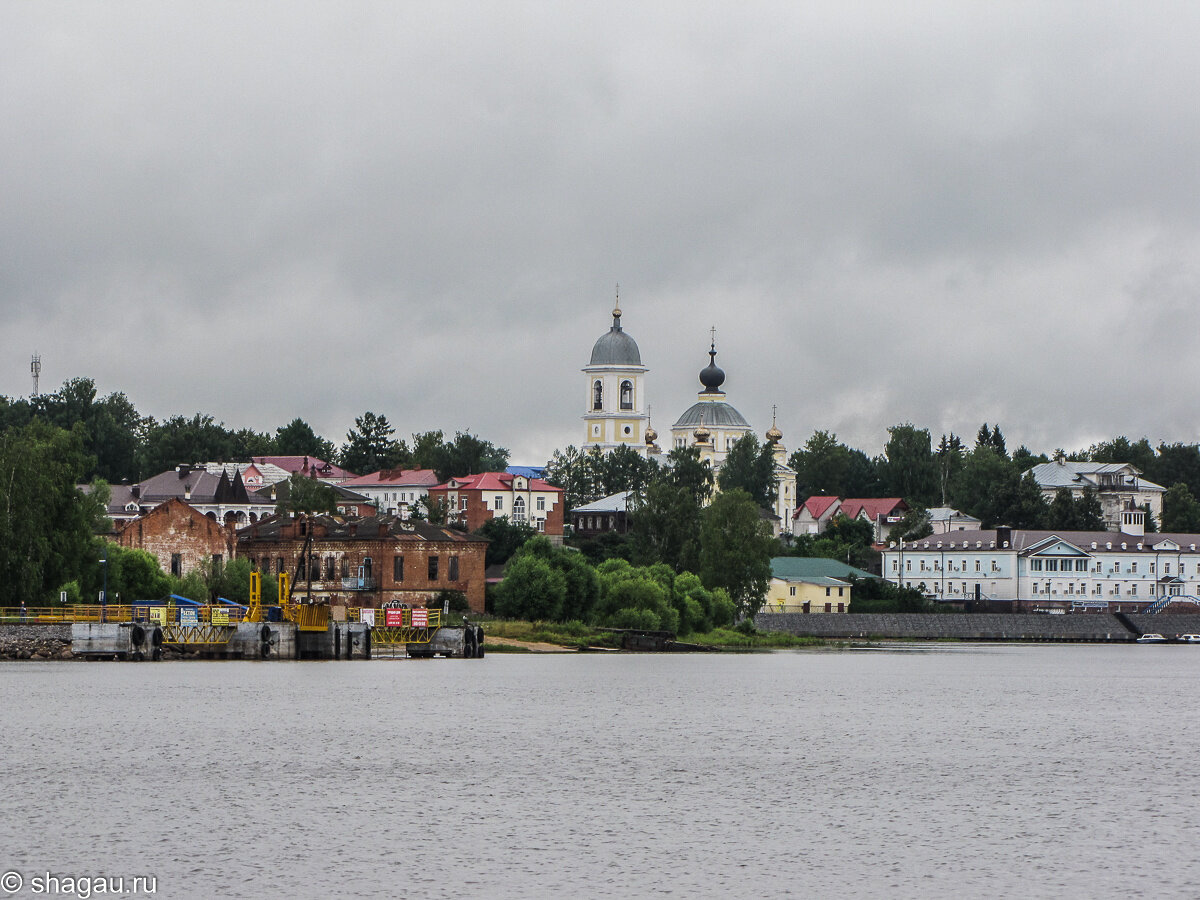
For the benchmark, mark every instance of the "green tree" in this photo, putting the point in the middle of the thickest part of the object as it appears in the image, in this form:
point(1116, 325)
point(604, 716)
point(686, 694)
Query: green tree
point(750, 466)
point(505, 538)
point(1176, 463)
point(991, 438)
point(665, 526)
point(297, 438)
point(572, 470)
point(1180, 511)
point(304, 495)
point(688, 471)
point(909, 469)
point(632, 597)
point(735, 550)
point(875, 595)
point(112, 427)
point(991, 488)
point(913, 525)
point(1089, 514)
point(370, 446)
point(949, 461)
point(467, 454)
point(1062, 514)
point(46, 522)
point(825, 466)
point(1120, 450)
point(624, 469)
point(179, 441)
point(1025, 459)
point(532, 589)
point(582, 582)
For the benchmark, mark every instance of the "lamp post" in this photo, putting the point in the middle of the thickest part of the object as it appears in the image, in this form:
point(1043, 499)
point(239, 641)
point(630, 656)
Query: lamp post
point(104, 592)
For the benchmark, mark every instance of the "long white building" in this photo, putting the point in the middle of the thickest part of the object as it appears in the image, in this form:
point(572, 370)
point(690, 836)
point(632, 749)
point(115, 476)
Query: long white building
point(1052, 570)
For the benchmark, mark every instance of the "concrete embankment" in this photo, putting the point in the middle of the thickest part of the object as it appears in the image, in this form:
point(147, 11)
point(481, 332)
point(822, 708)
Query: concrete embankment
point(959, 626)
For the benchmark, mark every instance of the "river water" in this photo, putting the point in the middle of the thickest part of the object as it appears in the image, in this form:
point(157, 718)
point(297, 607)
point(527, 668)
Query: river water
point(930, 771)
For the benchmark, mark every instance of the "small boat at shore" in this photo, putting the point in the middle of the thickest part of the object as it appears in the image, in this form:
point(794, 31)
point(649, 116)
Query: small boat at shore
point(1152, 637)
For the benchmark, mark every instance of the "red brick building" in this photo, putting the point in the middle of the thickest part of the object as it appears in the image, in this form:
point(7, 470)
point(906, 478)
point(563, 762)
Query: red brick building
point(474, 499)
point(179, 536)
point(368, 561)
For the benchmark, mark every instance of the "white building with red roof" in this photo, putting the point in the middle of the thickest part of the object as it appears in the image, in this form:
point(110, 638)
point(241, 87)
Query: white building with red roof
point(394, 491)
point(814, 514)
point(474, 499)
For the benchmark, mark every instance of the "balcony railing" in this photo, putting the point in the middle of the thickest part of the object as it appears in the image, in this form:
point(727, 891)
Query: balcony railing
point(358, 584)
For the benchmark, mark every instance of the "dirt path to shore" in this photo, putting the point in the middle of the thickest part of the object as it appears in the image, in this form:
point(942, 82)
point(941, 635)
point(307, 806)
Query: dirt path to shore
point(531, 646)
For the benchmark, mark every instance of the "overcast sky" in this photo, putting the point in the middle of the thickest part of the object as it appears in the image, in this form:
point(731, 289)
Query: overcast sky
point(942, 213)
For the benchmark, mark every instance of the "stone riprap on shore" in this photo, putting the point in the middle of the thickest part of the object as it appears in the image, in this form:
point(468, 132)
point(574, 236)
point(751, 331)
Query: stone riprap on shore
point(35, 642)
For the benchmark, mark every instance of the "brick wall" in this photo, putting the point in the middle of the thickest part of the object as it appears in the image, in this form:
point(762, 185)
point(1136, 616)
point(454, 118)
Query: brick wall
point(173, 528)
point(381, 587)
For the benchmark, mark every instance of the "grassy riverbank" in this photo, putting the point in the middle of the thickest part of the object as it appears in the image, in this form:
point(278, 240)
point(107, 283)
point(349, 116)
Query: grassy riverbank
point(510, 635)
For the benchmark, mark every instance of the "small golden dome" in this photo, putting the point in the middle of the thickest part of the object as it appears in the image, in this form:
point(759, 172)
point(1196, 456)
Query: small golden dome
point(651, 435)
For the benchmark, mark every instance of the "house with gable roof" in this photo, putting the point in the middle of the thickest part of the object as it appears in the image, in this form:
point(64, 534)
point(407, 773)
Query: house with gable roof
point(307, 465)
point(814, 514)
point(394, 491)
point(1119, 486)
point(881, 512)
point(472, 500)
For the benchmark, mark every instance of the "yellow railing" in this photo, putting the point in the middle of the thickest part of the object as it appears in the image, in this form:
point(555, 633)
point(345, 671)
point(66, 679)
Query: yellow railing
point(166, 615)
point(307, 616)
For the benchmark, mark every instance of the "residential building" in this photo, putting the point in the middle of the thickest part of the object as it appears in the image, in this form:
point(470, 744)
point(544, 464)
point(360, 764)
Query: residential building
point(368, 561)
point(1118, 486)
point(814, 514)
point(179, 536)
point(1030, 570)
point(347, 502)
point(810, 585)
point(307, 465)
point(610, 514)
point(943, 520)
point(881, 512)
point(394, 491)
point(219, 495)
point(474, 499)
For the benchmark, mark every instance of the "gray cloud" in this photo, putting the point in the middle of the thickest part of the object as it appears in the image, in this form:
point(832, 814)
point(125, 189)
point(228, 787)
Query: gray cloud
point(959, 213)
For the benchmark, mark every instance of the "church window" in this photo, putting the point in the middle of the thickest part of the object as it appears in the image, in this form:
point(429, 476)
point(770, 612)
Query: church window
point(626, 395)
point(597, 395)
point(519, 509)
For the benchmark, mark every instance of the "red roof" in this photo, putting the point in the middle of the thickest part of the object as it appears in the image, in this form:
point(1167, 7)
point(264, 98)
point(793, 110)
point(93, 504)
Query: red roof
point(874, 507)
point(817, 506)
point(395, 478)
point(305, 465)
point(493, 481)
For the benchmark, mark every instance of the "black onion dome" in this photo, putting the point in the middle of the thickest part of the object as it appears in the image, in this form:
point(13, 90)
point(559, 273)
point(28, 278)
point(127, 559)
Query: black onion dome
point(616, 348)
point(712, 376)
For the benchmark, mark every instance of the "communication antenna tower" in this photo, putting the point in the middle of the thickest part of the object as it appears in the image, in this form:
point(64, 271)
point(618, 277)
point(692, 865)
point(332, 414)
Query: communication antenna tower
point(35, 369)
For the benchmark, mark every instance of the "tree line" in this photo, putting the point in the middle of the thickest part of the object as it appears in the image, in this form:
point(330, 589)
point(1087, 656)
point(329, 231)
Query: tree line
point(121, 444)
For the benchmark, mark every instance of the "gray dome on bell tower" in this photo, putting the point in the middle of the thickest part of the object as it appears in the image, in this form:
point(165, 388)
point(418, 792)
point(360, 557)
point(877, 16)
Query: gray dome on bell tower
point(615, 347)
